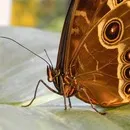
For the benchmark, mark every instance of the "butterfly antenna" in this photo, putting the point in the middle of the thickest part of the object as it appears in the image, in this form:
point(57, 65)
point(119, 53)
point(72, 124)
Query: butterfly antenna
point(48, 57)
point(25, 48)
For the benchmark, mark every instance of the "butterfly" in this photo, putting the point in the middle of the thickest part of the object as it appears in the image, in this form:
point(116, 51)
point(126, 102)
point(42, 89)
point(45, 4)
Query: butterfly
point(93, 62)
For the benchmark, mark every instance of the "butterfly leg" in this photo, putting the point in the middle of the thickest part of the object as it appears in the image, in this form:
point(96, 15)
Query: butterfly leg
point(102, 113)
point(69, 102)
point(63, 91)
point(40, 81)
point(65, 102)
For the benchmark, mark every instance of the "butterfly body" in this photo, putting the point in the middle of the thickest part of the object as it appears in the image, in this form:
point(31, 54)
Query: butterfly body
point(93, 61)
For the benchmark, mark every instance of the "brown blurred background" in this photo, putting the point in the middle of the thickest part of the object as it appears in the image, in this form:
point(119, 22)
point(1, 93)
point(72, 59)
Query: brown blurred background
point(44, 14)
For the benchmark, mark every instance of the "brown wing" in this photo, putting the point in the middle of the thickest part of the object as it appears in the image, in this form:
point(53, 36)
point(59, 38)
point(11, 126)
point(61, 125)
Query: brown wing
point(62, 53)
point(96, 61)
point(85, 16)
point(80, 16)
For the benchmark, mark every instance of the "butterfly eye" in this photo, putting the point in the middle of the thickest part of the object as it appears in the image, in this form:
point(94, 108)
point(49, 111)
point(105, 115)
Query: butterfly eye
point(127, 89)
point(126, 56)
point(113, 31)
point(126, 72)
point(119, 1)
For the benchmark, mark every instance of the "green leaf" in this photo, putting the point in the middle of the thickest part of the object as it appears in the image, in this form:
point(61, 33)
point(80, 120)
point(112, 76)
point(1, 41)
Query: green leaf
point(19, 73)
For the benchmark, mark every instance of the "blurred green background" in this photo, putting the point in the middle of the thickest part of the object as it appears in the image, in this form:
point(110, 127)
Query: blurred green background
point(43, 14)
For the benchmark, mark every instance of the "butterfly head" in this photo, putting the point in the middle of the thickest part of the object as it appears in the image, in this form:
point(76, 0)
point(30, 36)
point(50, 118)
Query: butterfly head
point(65, 84)
point(51, 73)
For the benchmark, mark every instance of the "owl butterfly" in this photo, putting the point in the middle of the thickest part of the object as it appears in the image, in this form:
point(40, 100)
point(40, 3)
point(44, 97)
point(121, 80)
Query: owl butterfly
point(93, 61)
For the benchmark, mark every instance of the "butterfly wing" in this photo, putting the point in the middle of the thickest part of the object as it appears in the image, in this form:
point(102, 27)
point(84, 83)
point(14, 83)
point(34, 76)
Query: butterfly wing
point(101, 61)
point(77, 23)
point(87, 53)
point(64, 37)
